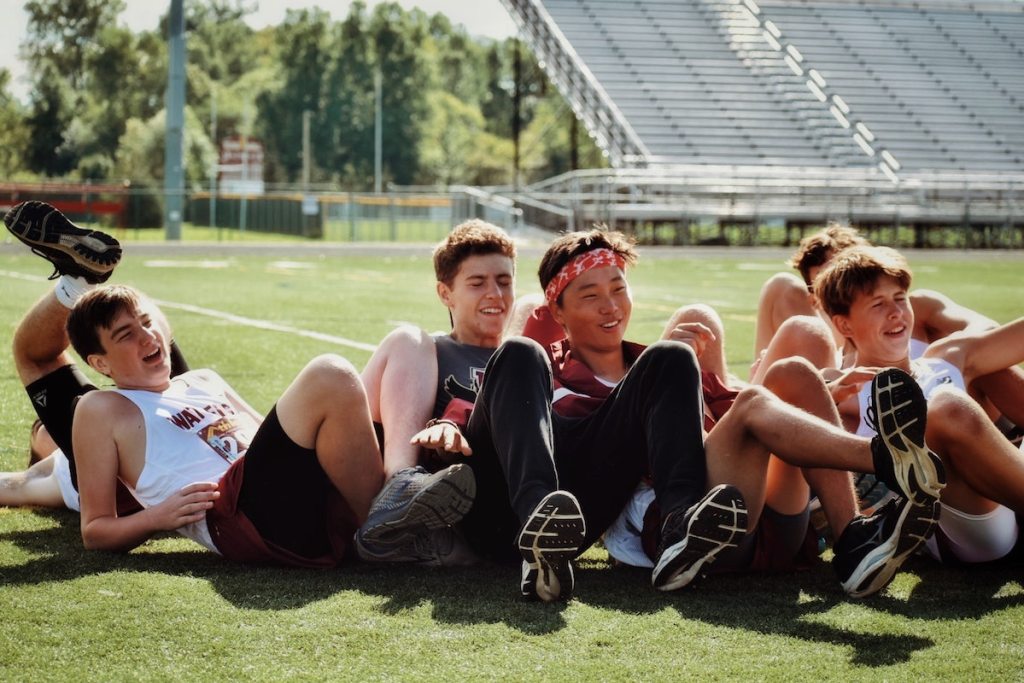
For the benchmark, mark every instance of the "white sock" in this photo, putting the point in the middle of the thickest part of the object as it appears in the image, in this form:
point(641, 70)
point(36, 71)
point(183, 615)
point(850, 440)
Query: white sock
point(70, 289)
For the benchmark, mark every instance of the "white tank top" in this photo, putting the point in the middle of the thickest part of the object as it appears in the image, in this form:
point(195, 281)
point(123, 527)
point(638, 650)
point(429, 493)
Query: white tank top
point(930, 373)
point(193, 434)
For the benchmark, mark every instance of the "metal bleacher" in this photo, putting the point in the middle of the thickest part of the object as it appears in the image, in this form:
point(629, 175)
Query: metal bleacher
point(914, 107)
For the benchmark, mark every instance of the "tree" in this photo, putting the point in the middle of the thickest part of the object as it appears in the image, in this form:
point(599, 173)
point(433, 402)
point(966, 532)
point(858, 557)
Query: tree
point(13, 130)
point(50, 151)
point(62, 33)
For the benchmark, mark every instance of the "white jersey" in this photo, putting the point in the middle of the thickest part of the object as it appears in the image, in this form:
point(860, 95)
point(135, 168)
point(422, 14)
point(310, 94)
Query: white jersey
point(930, 373)
point(193, 434)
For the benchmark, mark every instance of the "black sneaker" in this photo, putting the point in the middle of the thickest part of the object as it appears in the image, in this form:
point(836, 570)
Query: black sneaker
point(871, 549)
point(691, 539)
point(871, 493)
point(898, 412)
point(75, 251)
point(549, 540)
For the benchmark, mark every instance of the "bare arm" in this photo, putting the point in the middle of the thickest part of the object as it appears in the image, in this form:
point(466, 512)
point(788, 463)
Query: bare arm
point(936, 316)
point(106, 436)
point(985, 352)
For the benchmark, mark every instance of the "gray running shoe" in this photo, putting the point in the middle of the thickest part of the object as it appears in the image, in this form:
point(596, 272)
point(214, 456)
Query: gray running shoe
point(413, 501)
point(548, 541)
point(435, 548)
point(75, 251)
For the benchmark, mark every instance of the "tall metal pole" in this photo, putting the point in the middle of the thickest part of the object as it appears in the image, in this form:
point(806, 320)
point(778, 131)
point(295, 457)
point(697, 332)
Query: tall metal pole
point(517, 115)
point(305, 149)
point(174, 142)
point(215, 164)
point(378, 130)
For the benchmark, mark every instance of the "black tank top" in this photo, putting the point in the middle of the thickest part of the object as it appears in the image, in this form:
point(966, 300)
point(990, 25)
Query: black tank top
point(460, 370)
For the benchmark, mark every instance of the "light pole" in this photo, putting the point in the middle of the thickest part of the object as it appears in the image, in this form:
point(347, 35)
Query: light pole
point(174, 141)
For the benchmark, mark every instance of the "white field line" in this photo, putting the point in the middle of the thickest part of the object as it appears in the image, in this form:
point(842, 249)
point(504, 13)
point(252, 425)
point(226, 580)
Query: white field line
point(232, 318)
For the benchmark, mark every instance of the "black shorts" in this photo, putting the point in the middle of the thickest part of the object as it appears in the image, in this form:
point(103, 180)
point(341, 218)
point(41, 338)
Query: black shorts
point(54, 396)
point(285, 492)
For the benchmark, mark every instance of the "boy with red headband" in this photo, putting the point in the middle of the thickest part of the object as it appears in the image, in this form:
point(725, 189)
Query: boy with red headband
point(560, 439)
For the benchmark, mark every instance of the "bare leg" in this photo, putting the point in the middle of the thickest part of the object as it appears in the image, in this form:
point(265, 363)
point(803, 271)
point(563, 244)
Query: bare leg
point(982, 467)
point(782, 296)
point(325, 409)
point(401, 383)
point(35, 486)
point(40, 341)
point(713, 358)
point(805, 336)
point(1005, 391)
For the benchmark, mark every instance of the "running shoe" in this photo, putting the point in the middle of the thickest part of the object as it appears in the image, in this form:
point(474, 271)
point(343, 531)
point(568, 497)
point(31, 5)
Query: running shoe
point(898, 412)
point(89, 254)
point(871, 549)
point(548, 541)
point(692, 539)
point(414, 500)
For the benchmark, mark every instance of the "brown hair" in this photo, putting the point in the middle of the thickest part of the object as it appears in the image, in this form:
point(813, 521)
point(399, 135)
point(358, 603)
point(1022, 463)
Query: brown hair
point(816, 249)
point(572, 244)
point(471, 238)
point(96, 309)
point(856, 271)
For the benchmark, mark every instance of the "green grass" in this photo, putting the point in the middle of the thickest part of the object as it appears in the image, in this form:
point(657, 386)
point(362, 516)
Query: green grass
point(171, 611)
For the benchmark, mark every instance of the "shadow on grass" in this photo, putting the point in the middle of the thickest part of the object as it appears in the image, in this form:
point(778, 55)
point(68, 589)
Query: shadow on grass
point(784, 605)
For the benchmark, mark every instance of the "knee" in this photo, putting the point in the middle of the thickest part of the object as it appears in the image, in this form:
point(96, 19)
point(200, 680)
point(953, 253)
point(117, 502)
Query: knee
point(791, 372)
point(808, 336)
point(749, 401)
point(951, 412)
point(670, 359)
point(520, 353)
point(406, 339)
point(330, 373)
point(698, 313)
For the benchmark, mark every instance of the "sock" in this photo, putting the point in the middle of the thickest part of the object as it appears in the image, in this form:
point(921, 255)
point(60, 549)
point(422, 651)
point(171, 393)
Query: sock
point(70, 289)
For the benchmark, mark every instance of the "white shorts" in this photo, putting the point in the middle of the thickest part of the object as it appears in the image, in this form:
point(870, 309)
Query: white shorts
point(62, 473)
point(976, 538)
point(622, 539)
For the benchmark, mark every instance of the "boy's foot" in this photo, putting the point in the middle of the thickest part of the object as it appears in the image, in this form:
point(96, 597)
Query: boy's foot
point(414, 500)
point(436, 548)
point(871, 549)
point(89, 254)
point(898, 412)
point(549, 540)
point(691, 539)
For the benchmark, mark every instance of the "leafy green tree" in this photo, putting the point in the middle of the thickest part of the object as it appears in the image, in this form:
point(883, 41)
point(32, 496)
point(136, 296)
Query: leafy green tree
point(62, 33)
point(51, 152)
point(13, 130)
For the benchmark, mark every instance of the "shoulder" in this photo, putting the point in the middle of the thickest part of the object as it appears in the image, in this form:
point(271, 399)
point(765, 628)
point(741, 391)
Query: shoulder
point(106, 410)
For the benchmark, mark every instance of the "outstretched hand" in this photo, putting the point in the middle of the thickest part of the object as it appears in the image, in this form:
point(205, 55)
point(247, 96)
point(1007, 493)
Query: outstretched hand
point(187, 506)
point(443, 437)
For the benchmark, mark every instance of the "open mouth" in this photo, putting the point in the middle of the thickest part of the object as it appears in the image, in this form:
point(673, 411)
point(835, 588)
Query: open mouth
point(898, 332)
point(492, 311)
point(610, 325)
point(154, 357)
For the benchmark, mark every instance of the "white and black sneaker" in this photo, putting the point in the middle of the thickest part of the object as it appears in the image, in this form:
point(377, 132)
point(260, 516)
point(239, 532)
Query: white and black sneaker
point(691, 539)
point(871, 549)
point(548, 541)
point(898, 411)
point(78, 252)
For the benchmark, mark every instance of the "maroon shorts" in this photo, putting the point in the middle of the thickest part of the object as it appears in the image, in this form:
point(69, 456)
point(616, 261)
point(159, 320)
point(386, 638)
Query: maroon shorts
point(278, 505)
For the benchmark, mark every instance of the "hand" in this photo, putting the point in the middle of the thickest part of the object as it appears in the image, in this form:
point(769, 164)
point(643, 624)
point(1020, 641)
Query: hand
point(443, 437)
point(849, 382)
point(187, 506)
point(696, 335)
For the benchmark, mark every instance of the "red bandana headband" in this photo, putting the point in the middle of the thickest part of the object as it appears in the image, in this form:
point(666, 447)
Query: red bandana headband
point(588, 260)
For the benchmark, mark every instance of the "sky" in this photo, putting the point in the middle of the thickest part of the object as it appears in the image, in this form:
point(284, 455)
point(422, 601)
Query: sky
point(487, 18)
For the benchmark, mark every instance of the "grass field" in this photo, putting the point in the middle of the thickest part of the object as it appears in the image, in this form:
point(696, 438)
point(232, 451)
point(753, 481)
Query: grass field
point(171, 611)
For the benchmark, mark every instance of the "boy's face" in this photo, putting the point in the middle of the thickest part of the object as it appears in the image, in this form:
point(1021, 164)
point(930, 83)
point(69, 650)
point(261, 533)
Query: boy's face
point(595, 309)
point(480, 298)
point(136, 350)
point(880, 323)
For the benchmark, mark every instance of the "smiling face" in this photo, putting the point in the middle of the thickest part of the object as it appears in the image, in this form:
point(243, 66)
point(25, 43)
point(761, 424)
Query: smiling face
point(135, 350)
point(480, 299)
point(879, 322)
point(595, 310)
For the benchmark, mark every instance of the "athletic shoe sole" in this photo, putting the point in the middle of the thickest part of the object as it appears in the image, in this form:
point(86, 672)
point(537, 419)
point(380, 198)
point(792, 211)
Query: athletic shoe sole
point(878, 567)
point(900, 414)
point(443, 501)
point(717, 522)
point(550, 539)
point(74, 251)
